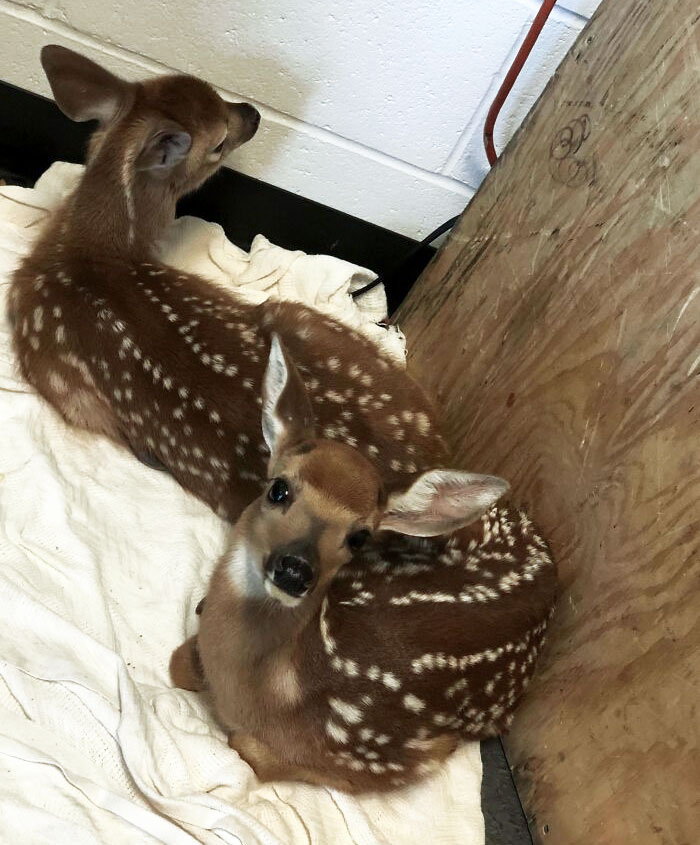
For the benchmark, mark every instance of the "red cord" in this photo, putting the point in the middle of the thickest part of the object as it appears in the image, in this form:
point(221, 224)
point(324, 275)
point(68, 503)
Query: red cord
point(524, 51)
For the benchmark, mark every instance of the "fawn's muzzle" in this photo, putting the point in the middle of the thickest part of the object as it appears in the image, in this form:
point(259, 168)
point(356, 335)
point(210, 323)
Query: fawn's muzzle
point(291, 572)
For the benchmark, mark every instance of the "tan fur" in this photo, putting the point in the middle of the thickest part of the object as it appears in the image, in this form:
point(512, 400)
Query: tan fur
point(392, 659)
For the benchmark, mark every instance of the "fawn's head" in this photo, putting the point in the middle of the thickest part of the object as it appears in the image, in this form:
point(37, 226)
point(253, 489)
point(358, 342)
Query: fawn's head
point(325, 500)
point(166, 135)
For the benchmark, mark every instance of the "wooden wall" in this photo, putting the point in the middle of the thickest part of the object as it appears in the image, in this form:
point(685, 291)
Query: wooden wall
point(559, 329)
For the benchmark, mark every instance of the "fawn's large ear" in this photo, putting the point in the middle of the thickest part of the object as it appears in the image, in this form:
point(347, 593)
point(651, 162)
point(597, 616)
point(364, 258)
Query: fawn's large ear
point(82, 89)
point(441, 501)
point(166, 146)
point(287, 417)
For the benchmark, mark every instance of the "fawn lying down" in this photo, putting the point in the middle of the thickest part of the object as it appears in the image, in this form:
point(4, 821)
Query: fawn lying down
point(165, 362)
point(364, 675)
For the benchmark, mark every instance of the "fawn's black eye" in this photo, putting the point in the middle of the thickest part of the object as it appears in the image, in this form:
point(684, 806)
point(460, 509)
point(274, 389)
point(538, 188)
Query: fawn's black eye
point(278, 493)
point(357, 539)
point(219, 147)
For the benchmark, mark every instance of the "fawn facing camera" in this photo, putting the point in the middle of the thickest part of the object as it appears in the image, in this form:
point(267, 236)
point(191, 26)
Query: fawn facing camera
point(364, 677)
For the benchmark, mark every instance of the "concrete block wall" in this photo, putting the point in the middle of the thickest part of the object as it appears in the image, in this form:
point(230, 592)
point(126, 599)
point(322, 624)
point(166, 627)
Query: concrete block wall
point(372, 107)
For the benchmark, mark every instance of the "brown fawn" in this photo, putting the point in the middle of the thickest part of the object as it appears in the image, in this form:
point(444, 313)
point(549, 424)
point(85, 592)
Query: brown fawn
point(364, 677)
point(165, 362)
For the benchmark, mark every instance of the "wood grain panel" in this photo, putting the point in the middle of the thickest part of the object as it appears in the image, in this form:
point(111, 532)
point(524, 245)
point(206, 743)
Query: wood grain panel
point(559, 329)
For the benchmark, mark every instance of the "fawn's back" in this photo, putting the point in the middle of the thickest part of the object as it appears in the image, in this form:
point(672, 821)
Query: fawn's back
point(174, 366)
point(428, 645)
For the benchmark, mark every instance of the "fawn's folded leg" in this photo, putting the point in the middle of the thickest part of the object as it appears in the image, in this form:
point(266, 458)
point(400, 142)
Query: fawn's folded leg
point(186, 668)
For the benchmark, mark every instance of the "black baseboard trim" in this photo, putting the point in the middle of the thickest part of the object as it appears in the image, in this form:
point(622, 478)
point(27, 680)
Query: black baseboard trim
point(34, 133)
point(505, 822)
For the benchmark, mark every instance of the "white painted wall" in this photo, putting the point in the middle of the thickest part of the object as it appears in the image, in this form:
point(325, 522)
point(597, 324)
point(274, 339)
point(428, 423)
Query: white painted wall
point(375, 107)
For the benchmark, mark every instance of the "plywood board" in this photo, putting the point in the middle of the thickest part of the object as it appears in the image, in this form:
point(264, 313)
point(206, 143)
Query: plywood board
point(559, 328)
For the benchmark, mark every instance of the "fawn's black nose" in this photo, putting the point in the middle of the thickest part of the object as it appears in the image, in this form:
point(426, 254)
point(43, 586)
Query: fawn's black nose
point(291, 572)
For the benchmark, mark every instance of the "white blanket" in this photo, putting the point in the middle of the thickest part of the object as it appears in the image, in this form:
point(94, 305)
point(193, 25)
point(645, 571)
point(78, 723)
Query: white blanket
point(102, 562)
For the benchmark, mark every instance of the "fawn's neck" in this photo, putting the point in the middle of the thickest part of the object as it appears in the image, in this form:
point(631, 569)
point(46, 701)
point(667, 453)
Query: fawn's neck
point(116, 212)
point(270, 628)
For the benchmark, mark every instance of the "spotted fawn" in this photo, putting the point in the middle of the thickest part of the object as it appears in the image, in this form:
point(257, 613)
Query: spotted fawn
point(346, 640)
point(165, 362)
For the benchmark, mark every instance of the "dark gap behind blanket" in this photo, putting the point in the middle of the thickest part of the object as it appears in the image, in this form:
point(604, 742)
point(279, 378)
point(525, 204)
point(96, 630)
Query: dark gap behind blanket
point(34, 134)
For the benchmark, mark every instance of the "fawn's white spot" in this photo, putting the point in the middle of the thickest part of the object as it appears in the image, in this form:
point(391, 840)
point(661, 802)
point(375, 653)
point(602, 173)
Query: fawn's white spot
point(336, 732)
point(34, 342)
point(349, 713)
point(391, 681)
point(58, 383)
point(413, 703)
point(423, 422)
point(60, 334)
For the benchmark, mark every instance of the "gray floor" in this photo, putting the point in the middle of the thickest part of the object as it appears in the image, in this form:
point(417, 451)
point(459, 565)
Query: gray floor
point(504, 818)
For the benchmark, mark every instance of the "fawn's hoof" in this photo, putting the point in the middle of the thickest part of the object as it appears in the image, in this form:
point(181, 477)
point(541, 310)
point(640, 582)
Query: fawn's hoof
point(149, 460)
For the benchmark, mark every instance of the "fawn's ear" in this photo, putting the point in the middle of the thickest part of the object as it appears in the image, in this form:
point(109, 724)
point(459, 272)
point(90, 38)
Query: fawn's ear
point(441, 501)
point(166, 146)
point(82, 89)
point(287, 417)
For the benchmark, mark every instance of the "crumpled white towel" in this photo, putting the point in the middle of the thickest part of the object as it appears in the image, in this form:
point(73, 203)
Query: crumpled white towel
point(102, 562)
